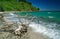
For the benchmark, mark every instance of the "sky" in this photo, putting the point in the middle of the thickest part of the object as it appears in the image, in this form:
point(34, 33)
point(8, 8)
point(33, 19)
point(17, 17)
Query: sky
point(46, 5)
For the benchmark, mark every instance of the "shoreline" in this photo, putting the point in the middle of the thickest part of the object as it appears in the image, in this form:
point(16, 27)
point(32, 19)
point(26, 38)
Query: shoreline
point(36, 35)
point(29, 35)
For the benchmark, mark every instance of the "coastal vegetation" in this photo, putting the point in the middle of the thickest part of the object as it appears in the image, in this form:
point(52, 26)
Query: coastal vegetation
point(17, 5)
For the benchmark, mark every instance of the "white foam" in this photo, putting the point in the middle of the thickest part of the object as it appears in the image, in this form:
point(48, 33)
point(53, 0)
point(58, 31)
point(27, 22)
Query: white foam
point(37, 27)
point(49, 12)
point(11, 14)
point(43, 29)
point(1, 12)
point(50, 16)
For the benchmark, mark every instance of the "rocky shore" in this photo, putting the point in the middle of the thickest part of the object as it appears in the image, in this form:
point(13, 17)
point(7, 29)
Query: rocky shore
point(8, 35)
point(29, 35)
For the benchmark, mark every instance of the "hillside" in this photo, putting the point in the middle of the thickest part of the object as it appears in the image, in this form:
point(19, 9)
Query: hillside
point(17, 5)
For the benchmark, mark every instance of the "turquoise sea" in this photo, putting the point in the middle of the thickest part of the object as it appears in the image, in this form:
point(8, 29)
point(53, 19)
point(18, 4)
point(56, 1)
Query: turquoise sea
point(53, 16)
point(47, 23)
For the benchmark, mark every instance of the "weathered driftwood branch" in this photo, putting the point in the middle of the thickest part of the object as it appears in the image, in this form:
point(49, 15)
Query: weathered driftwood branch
point(22, 28)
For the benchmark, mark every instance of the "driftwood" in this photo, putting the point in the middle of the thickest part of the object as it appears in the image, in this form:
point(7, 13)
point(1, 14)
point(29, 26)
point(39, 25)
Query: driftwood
point(24, 27)
point(21, 30)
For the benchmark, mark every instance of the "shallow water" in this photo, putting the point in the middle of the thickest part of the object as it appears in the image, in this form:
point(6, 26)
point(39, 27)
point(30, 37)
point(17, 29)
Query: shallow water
point(47, 23)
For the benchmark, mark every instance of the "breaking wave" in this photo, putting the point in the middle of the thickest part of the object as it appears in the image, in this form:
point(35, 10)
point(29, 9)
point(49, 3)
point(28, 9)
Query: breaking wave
point(50, 16)
point(48, 29)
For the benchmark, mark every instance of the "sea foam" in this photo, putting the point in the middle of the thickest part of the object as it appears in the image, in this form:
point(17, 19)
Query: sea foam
point(41, 28)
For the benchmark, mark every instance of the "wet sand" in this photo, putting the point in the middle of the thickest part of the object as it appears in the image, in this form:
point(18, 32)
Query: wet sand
point(29, 35)
point(36, 35)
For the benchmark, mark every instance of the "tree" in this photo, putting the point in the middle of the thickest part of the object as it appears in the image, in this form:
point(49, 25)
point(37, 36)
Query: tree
point(21, 0)
point(1, 8)
point(38, 8)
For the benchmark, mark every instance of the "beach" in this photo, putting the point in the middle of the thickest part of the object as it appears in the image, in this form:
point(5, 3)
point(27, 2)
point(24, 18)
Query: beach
point(42, 28)
point(29, 35)
point(36, 35)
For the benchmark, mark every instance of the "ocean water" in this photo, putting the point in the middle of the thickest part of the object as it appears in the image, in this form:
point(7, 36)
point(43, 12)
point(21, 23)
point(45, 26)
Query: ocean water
point(54, 16)
point(47, 23)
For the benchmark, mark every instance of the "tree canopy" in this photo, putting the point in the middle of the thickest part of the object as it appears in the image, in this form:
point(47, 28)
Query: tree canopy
point(16, 5)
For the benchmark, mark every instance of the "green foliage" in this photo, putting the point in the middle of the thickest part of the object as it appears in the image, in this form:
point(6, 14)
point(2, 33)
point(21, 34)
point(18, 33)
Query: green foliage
point(9, 5)
point(8, 0)
point(1, 8)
